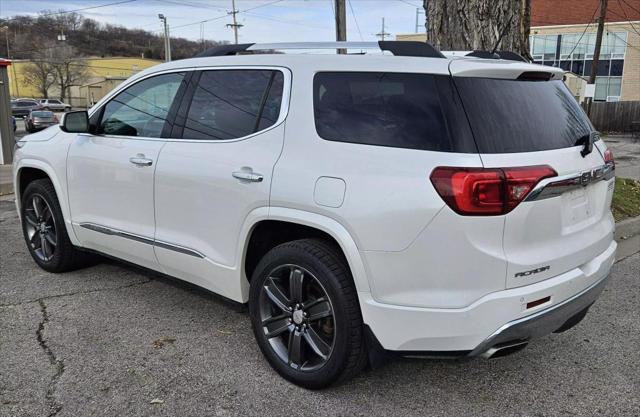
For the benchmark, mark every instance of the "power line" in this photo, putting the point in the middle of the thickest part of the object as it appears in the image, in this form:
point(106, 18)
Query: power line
point(223, 16)
point(409, 3)
point(585, 30)
point(78, 10)
point(355, 19)
point(627, 17)
point(289, 22)
point(631, 7)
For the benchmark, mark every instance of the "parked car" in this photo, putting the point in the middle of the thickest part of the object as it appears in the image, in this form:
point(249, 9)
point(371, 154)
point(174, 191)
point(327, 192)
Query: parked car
point(55, 105)
point(414, 204)
point(21, 108)
point(39, 119)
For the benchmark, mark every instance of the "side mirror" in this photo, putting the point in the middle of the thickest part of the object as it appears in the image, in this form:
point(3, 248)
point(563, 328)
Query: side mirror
point(75, 122)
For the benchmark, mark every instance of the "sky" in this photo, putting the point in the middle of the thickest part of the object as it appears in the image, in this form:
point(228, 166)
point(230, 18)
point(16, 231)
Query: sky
point(263, 20)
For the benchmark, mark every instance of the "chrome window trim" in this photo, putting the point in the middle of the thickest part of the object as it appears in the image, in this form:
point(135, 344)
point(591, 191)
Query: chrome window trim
point(142, 239)
point(556, 186)
point(284, 107)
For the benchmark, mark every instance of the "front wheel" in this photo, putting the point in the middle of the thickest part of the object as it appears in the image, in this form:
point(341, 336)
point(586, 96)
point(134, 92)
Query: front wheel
point(44, 229)
point(305, 314)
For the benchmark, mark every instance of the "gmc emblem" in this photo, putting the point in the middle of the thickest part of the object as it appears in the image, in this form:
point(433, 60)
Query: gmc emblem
point(533, 271)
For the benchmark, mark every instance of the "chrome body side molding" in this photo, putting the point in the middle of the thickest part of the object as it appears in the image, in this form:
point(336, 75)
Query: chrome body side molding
point(142, 239)
point(554, 187)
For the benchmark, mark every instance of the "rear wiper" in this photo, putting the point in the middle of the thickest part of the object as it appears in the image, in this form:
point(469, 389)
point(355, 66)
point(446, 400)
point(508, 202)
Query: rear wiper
point(587, 144)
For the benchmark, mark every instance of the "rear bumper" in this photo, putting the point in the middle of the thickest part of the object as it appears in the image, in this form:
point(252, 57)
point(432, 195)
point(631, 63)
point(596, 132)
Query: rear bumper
point(496, 318)
point(560, 317)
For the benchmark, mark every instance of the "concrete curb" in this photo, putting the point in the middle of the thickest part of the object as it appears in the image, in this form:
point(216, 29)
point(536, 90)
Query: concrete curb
point(627, 228)
point(6, 189)
point(628, 237)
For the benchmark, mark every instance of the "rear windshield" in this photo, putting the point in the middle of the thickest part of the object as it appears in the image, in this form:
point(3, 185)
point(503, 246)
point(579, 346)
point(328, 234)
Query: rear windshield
point(414, 111)
point(42, 114)
point(508, 116)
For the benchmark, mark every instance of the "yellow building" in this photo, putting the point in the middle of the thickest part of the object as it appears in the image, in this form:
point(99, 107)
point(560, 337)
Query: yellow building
point(99, 69)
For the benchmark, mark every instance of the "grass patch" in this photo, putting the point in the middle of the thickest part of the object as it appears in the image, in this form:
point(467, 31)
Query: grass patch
point(626, 199)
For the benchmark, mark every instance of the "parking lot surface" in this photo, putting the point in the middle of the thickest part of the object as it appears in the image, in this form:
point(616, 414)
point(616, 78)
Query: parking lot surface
point(114, 340)
point(626, 151)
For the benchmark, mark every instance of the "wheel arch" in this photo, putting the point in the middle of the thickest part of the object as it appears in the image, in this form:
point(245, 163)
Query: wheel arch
point(297, 224)
point(32, 169)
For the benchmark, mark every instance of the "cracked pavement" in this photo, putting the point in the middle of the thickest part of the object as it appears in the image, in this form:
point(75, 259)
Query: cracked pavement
point(110, 339)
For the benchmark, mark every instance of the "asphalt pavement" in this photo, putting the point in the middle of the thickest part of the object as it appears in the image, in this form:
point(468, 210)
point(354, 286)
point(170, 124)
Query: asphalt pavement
point(626, 152)
point(114, 340)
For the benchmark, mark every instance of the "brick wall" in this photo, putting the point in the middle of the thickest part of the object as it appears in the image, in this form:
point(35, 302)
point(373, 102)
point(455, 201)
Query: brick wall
point(570, 12)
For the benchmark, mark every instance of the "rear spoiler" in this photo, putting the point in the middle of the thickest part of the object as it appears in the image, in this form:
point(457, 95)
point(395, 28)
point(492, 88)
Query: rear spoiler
point(505, 69)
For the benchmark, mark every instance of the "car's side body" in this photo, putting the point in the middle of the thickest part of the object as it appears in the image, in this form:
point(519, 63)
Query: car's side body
point(55, 105)
point(193, 211)
point(21, 108)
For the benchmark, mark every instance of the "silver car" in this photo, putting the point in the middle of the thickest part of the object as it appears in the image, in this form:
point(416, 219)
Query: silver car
point(54, 105)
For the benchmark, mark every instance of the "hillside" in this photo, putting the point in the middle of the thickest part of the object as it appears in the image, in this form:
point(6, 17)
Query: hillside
point(36, 37)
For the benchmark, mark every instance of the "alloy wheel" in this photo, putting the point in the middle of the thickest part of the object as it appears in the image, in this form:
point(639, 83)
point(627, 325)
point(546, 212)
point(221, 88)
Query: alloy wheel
point(297, 317)
point(41, 228)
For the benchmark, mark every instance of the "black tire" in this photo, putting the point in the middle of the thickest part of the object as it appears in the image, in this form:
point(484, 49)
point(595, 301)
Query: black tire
point(64, 256)
point(326, 265)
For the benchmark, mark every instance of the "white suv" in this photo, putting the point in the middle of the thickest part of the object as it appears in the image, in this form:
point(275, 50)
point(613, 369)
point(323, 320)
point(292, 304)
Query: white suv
point(418, 203)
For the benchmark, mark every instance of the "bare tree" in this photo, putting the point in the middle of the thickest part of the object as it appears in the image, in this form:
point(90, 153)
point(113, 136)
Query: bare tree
point(41, 75)
point(479, 24)
point(69, 71)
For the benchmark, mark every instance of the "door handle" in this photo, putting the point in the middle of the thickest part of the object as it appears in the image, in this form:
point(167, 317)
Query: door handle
point(248, 176)
point(141, 161)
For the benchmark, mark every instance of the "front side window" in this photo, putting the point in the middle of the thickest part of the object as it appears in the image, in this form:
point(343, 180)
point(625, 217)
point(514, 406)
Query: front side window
point(142, 109)
point(230, 104)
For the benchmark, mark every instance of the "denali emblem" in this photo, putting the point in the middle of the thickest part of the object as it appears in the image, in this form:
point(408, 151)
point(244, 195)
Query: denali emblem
point(533, 271)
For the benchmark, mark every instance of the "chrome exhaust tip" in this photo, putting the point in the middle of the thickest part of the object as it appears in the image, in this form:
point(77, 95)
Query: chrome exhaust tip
point(504, 349)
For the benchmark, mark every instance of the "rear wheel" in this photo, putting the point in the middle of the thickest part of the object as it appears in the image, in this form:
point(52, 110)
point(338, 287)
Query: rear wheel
point(44, 230)
point(305, 314)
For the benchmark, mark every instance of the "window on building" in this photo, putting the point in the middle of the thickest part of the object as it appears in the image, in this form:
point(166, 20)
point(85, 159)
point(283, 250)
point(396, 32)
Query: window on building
point(576, 53)
point(617, 66)
point(607, 87)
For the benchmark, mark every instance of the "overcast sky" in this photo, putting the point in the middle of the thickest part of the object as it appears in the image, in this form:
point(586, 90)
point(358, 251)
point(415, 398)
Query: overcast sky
point(264, 20)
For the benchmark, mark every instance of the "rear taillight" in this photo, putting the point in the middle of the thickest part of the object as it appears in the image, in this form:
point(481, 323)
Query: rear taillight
point(608, 158)
point(487, 191)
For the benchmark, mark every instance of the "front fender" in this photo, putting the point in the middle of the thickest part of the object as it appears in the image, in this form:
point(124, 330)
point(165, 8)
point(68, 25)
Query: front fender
point(59, 184)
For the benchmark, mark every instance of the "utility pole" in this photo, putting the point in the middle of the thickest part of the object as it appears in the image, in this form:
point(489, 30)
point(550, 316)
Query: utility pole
point(382, 33)
point(167, 41)
point(15, 77)
point(596, 51)
point(235, 25)
point(419, 11)
point(341, 23)
point(6, 32)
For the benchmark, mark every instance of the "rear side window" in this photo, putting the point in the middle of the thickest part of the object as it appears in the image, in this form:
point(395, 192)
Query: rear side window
point(508, 116)
point(229, 104)
point(385, 109)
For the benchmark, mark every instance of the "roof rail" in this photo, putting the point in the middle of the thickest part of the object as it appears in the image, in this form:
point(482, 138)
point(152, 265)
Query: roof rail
point(398, 48)
point(508, 55)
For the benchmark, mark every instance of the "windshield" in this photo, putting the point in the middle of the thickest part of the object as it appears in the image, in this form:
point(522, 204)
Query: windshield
point(509, 116)
point(42, 114)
